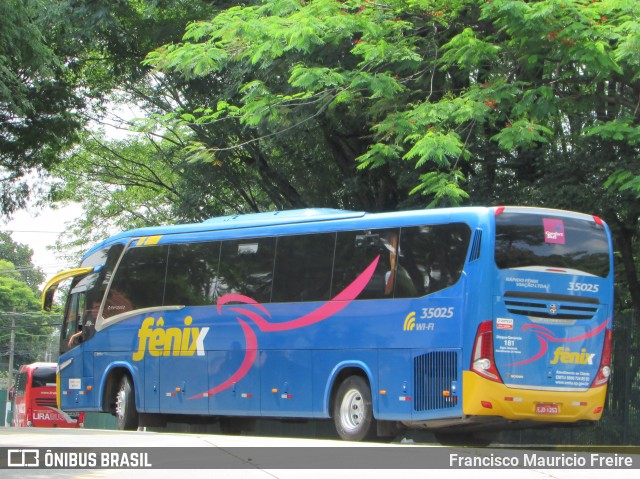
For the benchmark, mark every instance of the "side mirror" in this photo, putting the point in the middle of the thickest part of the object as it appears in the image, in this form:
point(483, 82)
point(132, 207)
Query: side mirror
point(47, 299)
point(50, 288)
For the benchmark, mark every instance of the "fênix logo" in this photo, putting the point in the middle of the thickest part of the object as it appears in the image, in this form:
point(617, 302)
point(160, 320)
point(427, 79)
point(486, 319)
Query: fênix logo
point(410, 322)
point(566, 356)
point(158, 341)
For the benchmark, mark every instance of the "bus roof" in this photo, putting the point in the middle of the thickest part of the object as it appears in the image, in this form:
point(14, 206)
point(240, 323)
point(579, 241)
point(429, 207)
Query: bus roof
point(38, 365)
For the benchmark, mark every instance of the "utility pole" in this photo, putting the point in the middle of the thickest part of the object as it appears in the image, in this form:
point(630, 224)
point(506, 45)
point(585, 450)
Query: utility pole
point(12, 347)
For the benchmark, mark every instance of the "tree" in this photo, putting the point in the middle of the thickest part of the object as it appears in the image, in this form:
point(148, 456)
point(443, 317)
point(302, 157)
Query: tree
point(38, 106)
point(470, 101)
point(60, 62)
point(21, 255)
point(20, 302)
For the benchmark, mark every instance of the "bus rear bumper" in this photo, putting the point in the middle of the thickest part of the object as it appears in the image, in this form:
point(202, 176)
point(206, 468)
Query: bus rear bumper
point(482, 397)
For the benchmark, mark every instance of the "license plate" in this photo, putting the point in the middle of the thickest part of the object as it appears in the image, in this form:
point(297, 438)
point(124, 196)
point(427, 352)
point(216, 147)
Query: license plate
point(547, 409)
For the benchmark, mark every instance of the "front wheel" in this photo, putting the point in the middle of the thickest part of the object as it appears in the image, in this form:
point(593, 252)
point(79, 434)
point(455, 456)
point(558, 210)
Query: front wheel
point(125, 410)
point(353, 410)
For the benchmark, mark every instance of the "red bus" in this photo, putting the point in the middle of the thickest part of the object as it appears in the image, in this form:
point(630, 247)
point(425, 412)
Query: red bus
point(35, 399)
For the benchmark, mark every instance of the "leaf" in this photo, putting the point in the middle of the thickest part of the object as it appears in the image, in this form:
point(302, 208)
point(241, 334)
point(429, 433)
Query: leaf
point(467, 51)
point(378, 155)
point(444, 187)
point(522, 134)
point(435, 147)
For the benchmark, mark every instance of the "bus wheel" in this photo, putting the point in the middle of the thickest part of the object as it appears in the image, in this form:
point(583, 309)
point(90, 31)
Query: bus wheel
point(125, 412)
point(353, 410)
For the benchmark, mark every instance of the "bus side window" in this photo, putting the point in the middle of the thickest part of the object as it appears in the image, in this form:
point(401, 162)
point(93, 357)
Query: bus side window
point(192, 274)
point(72, 326)
point(303, 268)
point(431, 258)
point(355, 250)
point(246, 267)
point(139, 280)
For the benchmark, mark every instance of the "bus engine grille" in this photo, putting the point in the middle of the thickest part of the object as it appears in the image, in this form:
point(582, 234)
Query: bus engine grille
point(49, 402)
point(434, 373)
point(551, 306)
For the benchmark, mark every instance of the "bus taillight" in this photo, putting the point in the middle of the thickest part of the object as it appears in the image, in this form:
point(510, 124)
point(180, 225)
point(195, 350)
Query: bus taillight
point(604, 371)
point(482, 361)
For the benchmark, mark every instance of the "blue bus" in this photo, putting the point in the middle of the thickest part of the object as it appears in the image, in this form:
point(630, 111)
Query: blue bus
point(450, 318)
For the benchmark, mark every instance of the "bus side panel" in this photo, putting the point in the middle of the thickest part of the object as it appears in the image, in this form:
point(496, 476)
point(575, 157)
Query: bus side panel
point(286, 385)
point(151, 384)
point(77, 389)
point(181, 382)
point(395, 384)
point(242, 396)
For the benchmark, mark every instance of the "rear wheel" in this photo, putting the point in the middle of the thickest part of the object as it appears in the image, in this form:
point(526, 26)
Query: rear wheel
point(353, 410)
point(125, 410)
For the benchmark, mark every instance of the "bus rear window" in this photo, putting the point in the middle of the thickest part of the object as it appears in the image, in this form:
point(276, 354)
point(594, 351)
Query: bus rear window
point(527, 240)
point(43, 377)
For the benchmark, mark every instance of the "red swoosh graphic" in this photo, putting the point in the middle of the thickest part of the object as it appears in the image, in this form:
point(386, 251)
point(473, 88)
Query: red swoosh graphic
point(251, 352)
point(240, 298)
point(328, 309)
point(337, 304)
point(543, 334)
point(543, 350)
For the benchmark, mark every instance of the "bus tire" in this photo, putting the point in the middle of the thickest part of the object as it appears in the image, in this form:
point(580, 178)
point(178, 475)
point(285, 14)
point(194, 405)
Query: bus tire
point(125, 410)
point(353, 410)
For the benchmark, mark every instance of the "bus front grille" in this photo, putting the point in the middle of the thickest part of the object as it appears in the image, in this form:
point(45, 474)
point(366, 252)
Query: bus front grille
point(434, 373)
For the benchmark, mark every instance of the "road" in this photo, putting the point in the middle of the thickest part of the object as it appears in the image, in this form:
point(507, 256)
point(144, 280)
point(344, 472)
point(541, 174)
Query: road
point(219, 456)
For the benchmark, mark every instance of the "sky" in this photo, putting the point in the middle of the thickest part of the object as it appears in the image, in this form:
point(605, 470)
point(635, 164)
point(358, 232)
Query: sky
point(39, 229)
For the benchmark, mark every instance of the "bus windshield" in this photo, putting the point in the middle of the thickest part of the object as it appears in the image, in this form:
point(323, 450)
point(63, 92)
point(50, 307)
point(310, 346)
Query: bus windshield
point(529, 240)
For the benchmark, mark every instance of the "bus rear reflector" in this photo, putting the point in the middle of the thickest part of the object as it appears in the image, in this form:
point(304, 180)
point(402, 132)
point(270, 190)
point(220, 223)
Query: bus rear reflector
point(482, 361)
point(604, 371)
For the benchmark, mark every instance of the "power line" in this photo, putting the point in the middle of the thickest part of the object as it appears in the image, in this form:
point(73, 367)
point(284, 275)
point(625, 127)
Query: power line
point(32, 231)
point(30, 326)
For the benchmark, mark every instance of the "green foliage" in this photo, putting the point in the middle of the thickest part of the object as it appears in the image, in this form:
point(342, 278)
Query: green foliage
point(522, 134)
point(37, 118)
point(20, 303)
point(444, 188)
point(15, 294)
point(121, 185)
point(20, 255)
point(425, 77)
